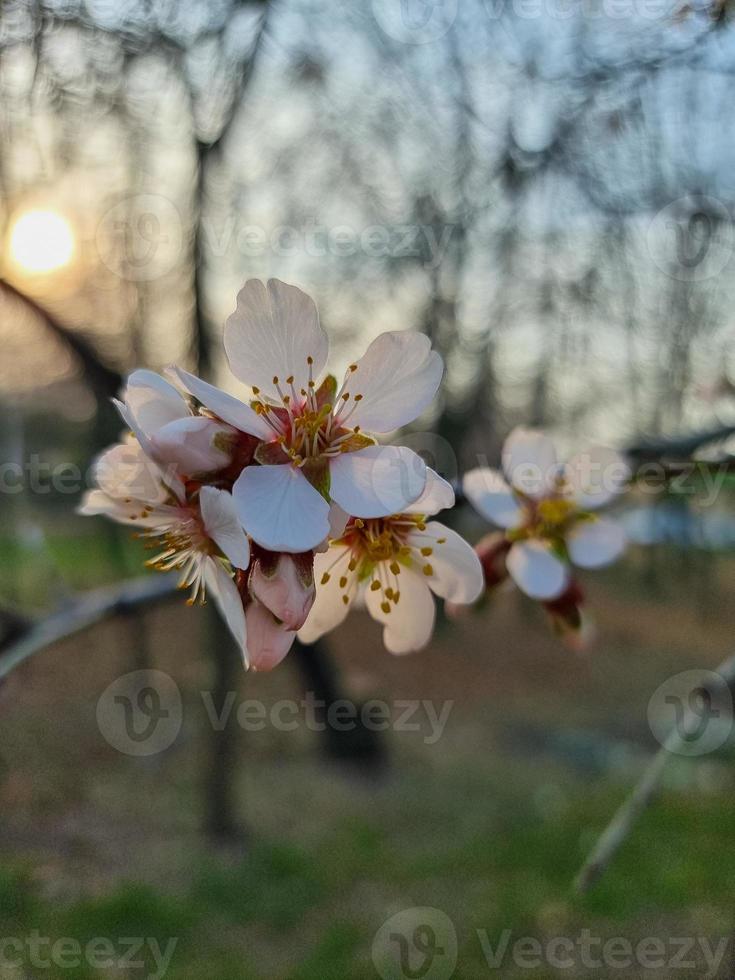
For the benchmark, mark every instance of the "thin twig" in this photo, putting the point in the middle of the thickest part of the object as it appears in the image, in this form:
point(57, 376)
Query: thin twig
point(88, 610)
point(621, 825)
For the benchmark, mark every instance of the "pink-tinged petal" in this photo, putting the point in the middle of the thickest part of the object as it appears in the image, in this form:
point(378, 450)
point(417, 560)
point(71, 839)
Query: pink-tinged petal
point(194, 445)
point(223, 525)
point(284, 590)
point(280, 509)
point(536, 570)
point(438, 495)
point(125, 471)
point(529, 461)
point(224, 406)
point(397, 377)
point(492, 497)
point(596, 476)
point(329, 608)
point(132, 423)
point(377, 481)
point(409, 624)
point(153, 401)
point(452, 569)
point(222, 586)
point(268, 641)
point(593, 544)
point(272, 333)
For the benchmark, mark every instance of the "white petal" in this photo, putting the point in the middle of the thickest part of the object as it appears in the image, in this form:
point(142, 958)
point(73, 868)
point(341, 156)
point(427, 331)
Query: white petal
point(268, 641)
point(337, 521)
point(126, 471)
point(377, 481)
point(193, 445)
point(592, 544)
point(536, 570)
point(225, 406)
point(229, 602)
point(457, 573)
point(398, 377)
point(222, 525)
point(438, 495)
point(409, 624)
point(153, 401)
point(97, 502)
point(280, 509)
point(329, 608)
point(274, 329)
point(596, 476)
point(529, 461)
point(491, 496)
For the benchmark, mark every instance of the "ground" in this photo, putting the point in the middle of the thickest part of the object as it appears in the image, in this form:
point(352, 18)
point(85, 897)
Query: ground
point(489, 822)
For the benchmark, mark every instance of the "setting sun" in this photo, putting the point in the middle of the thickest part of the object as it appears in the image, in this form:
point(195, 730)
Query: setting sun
point(41, 241)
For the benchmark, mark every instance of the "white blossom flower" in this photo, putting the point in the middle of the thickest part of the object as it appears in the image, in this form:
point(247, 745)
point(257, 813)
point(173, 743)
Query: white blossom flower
point(394, 564)
point(547, 509)
point(195, 532)
point(167, 429)
point(318, 447)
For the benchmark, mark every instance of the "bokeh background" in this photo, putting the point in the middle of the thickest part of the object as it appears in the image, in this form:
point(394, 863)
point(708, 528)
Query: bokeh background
point(546, 189)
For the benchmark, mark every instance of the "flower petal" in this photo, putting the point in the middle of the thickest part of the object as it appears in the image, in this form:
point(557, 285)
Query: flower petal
point(456, 571)
point(397, 377)
point(153, 401)
point(229, 602)
point(438, 495)
point(193, 445)
point(283, 588)
point(409, 624)
point(226, 407)
point(529, 461)
point(536, 570)
point(273, 331)
point(280, 509)
point(268, 641)
point(223, 525)
point(377, 481)
point(491, 496)
point(329, 608)
point(596, 476)
point(126, 471)
point(593, 544)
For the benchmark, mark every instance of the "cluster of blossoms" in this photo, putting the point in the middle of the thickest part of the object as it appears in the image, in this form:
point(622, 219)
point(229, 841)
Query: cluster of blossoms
point(548, 513)
point(285, 508)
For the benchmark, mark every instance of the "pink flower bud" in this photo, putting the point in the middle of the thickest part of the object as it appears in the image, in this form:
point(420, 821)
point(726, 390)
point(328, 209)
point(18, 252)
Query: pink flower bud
point(284, 584)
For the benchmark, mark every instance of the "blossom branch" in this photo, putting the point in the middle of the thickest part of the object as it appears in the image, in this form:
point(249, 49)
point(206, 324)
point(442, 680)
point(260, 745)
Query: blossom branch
point(622, 824)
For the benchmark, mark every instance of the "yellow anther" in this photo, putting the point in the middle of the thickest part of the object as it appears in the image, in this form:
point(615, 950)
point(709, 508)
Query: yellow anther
point(345, 599)
point(374, 585)
point(309, 360)
point(358, 398)
point(345, 396)
point(275, 379)
point(190, 602)
point(395, 568)
point(325, 578)
point(343, 582)
point(426, 552)
point(353, 564)
point(385, 606)
point(396, 596)
point(256, 391)
point(428, 569)
point(389, 593)
point(353, 367)
point(359, 522)
point(289, 380)
point(441, 540)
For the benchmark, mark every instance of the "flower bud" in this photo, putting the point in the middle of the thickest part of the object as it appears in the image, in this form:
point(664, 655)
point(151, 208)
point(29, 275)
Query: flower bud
point(284, 584)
